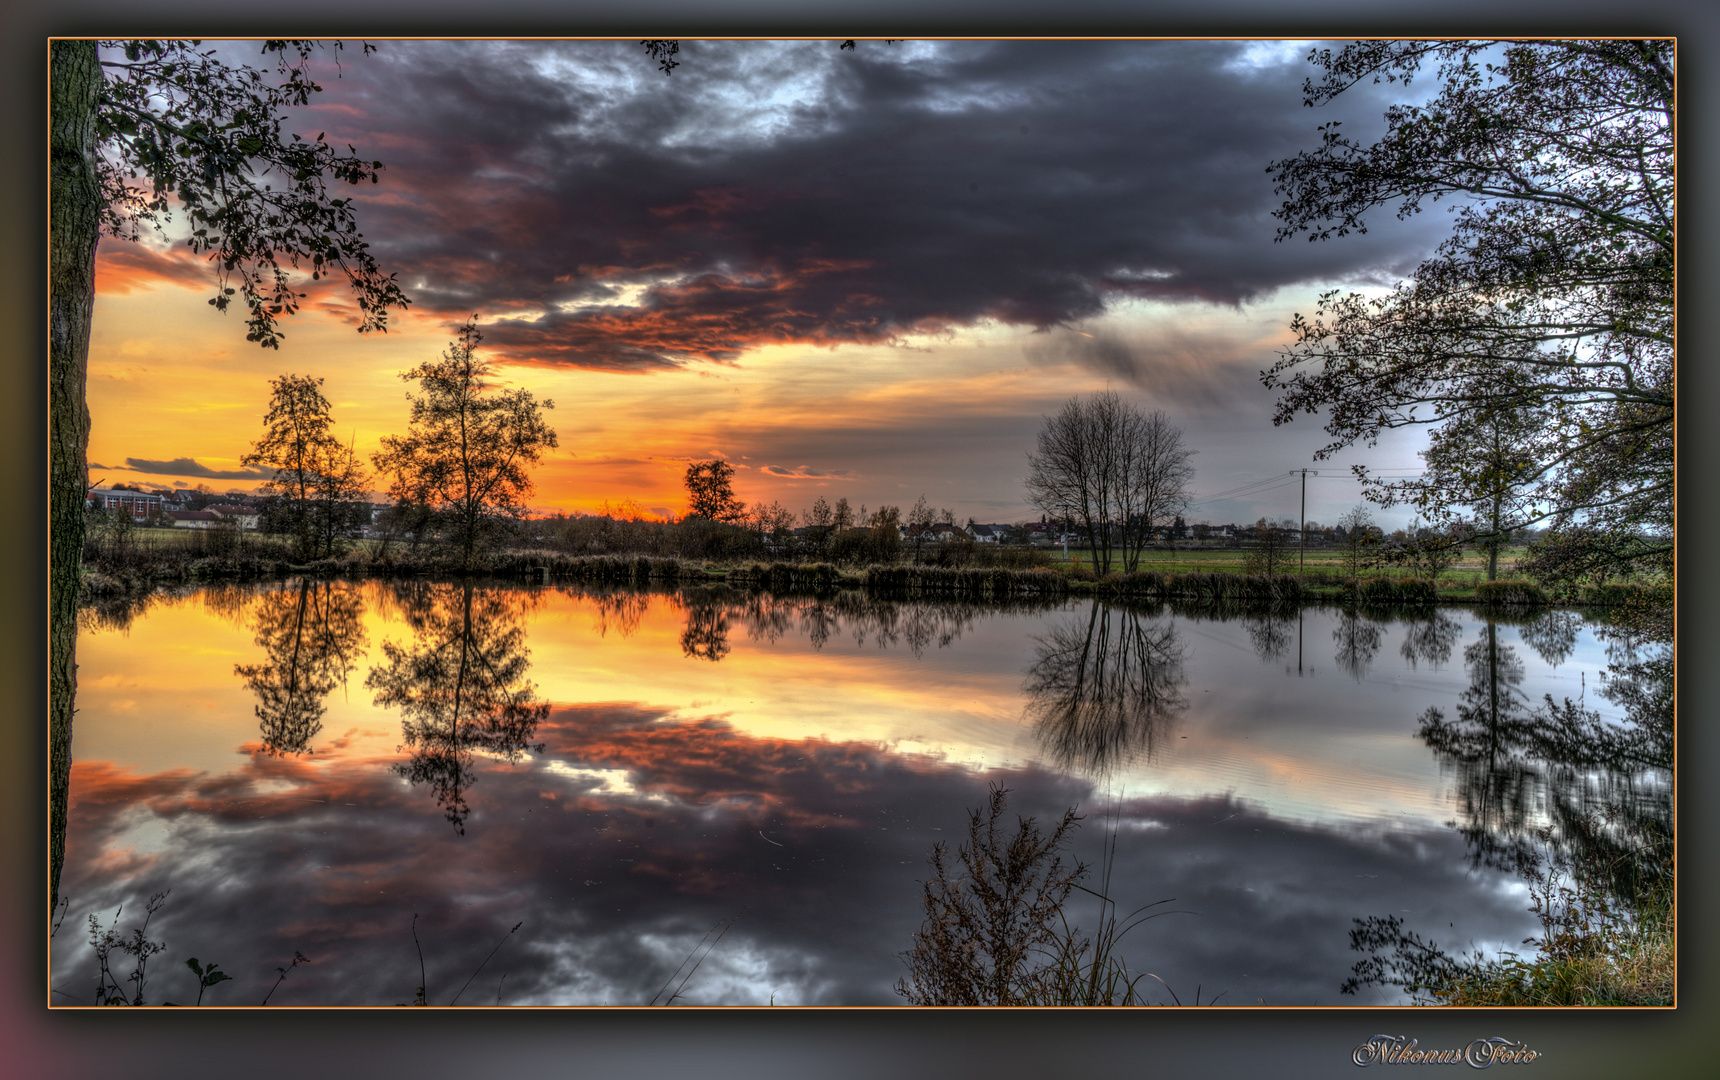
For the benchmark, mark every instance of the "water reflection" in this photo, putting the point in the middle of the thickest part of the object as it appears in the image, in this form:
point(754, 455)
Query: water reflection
point(311, 637)
point(673, 793)
point(1272, 633)
point(1554, 779)
point(620, 610)
point(1357, 640)
point(461, 687)
point(1430, 639)
point(919, 625)
point(1104, 690)
point(1552, 634)
point(706, 636)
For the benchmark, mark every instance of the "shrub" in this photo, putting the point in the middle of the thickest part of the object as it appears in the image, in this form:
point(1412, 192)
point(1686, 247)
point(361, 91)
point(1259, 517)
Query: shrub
point(986, 921)
point(1505, 593)
point(1403, 591)
point(787, 577)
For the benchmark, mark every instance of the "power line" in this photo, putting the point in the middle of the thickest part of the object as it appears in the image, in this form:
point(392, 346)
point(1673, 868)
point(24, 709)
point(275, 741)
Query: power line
point(1251, 488)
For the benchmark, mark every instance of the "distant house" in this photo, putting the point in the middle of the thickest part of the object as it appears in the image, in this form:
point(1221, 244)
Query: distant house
point(243, 516)
point(140, 505)
point(194, 519)
point(987, 534)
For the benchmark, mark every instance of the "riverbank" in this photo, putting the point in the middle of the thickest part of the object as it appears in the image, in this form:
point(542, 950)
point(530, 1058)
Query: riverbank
point(116, 571)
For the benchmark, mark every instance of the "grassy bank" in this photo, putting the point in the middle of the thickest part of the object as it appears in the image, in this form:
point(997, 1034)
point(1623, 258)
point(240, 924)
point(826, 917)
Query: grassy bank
point(145, 559)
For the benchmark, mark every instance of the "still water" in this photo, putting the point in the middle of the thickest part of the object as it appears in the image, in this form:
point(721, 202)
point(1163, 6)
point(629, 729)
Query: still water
point(641, 780)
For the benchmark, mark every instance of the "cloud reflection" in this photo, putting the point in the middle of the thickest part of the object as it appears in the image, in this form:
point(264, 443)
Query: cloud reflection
point(636, 832)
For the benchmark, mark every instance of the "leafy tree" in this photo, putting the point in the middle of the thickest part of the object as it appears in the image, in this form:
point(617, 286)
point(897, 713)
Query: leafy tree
point(466, 451)
point(1487, 460)
point(774, 523)
point(886, 526)
point(1551, 303)
point(1428, 552)
point(820, 522)
point(138, 131)
point(710, 491)
point(316, 478)
point(920, 519)
point(842, 516)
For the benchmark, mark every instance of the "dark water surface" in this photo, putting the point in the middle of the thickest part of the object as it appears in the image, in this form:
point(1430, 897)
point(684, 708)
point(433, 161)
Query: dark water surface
point(309, 766)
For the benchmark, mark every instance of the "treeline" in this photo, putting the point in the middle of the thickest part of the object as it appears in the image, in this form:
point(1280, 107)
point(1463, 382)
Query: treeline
point(772, 536)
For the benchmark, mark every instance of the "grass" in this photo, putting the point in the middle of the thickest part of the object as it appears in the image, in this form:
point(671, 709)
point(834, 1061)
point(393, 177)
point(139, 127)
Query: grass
point(1318, 560)
point(1594, 949)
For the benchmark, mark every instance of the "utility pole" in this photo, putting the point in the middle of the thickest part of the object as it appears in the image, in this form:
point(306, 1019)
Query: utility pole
point(1302, 526)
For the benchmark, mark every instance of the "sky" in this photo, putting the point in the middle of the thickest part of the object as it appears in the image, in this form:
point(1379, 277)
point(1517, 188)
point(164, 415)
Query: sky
point(865, 273)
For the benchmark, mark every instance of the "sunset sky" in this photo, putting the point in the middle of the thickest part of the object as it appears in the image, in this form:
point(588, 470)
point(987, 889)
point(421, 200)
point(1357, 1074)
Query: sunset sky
point(865, 273)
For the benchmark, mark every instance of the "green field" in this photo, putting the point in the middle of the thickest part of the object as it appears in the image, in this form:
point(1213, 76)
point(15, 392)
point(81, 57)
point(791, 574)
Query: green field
point(1318, 560)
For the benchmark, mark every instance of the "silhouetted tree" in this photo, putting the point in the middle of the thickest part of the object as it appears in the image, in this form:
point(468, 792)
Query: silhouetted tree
point(1115, 470)
point(466, 452)
point(710, 491)
point(317, 481)
point(200, 134)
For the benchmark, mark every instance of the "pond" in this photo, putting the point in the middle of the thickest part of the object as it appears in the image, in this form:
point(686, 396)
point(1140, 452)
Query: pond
point(546, 796)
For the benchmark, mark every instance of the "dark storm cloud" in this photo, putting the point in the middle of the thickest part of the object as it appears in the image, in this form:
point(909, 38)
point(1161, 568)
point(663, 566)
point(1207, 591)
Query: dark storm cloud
point(634, 834)
point(803, 472)
point(603, 216)
point(188, 467)
point(1194, 372)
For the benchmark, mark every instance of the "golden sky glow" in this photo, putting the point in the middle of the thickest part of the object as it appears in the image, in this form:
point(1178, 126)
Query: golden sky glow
point(844, 291)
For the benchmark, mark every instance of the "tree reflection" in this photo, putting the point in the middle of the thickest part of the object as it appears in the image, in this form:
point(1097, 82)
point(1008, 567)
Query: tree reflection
point(461, 687)
point(620, 610)
point(1271, 633)
point(1103, 693)
point(917, 624)
point(706, 636)
point(1429, 640)
point(1357, 641)
point(1557, 780)
point(1552, 634)
point(310, 637)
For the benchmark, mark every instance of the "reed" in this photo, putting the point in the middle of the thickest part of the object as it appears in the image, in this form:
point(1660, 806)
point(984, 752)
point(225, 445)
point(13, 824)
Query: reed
point(996, 583)
point(1509, 593)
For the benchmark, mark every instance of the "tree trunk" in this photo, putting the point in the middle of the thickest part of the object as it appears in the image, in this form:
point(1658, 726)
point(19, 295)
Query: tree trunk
point(74, 224)
point(1493, 544)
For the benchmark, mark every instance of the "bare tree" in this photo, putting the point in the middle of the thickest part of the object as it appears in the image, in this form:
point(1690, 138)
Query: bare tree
point(1357, 527)
point(1270, 553)
point(1114, 470)
point(1155, 481)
